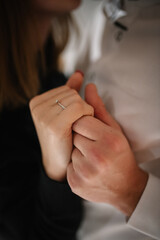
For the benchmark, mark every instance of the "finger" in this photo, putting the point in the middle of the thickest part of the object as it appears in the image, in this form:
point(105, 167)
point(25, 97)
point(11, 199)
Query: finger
point(83, 144)
point(72, 97)
point(73, 178)
point(75, 110)
point(45, 108)
point(89, 127)
point(100, 112)
point(75, 81)
point(61, 96)
point(53, 113)
point(39, 99)
point(65, 100)
point(82, 166)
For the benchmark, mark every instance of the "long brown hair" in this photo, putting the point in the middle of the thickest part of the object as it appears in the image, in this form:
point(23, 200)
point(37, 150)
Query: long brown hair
point(18, 56)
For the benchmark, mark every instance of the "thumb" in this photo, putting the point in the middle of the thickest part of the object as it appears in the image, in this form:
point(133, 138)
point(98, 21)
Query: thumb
point(100, 112)
point(76, 80)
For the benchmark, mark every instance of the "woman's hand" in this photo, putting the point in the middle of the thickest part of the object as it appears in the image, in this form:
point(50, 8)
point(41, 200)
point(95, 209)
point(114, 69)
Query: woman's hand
point(54, 124)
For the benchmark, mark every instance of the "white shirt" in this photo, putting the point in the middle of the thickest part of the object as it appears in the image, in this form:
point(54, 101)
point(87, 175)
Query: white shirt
point(126, 69)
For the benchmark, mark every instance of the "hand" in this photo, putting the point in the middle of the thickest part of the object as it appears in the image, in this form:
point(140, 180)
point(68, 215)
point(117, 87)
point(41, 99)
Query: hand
point(54, 125)
point(103, 167)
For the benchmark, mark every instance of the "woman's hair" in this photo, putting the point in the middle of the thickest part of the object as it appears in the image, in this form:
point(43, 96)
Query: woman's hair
point(19, 80)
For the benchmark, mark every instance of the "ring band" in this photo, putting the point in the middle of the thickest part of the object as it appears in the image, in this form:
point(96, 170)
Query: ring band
point(60, 104)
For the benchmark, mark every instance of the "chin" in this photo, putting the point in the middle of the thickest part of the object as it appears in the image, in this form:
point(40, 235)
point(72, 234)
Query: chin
point(76, 3)
point(69, 5)
point(58, 6)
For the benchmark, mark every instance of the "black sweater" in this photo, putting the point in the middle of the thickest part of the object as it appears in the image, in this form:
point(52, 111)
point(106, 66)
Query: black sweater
point(32, 206)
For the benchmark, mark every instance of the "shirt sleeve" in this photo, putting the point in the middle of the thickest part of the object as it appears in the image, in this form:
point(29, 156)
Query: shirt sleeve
point(146, 216)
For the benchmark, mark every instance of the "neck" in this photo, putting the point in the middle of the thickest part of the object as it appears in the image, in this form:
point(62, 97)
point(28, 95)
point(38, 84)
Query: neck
point(44, 27)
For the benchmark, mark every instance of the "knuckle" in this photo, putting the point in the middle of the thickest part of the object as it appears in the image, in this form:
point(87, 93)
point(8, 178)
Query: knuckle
point(32, 102)
point(74, 92)
point(91, 109)
point(39, 118)
point(78, 105)
point(35, 113)
point(65, 87)
point(77, 97)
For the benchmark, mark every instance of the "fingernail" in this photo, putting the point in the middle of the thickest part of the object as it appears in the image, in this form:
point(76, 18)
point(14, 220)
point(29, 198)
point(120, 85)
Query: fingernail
point(79, 71)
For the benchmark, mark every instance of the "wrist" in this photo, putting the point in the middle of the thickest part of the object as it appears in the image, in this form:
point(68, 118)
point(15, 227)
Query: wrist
point(135, 191)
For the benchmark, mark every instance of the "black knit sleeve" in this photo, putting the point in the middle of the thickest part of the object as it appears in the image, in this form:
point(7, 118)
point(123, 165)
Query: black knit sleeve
point(32, 206)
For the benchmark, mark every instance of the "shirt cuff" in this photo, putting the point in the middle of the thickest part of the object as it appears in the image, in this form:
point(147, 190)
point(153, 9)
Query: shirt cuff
point(146, 216)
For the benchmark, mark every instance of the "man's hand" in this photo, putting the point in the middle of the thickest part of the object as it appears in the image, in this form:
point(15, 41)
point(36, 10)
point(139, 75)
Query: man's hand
point(103, 167)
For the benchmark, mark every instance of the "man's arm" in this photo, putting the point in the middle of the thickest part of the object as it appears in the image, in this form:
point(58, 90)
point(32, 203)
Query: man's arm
point(104, 168)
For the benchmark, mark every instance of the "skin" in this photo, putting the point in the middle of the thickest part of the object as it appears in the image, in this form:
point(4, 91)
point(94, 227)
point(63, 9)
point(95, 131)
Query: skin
point(103, 166)
point(49, 7)
point(44, 10)
point(47, 115)
point(54, 125)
